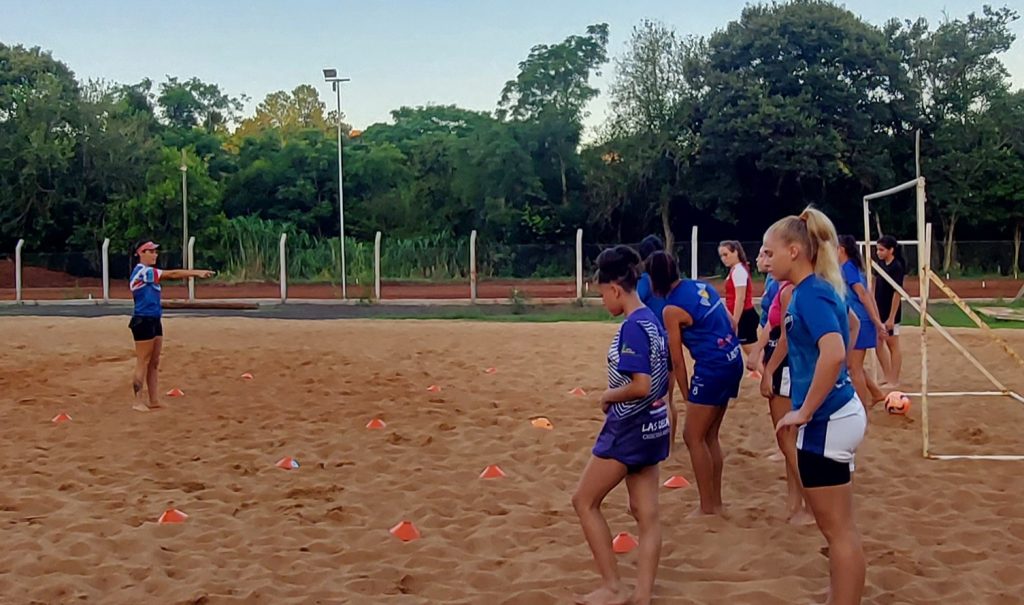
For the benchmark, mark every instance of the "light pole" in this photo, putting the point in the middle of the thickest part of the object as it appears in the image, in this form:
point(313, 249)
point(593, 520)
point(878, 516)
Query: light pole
point(184, 212)
point(331, 75)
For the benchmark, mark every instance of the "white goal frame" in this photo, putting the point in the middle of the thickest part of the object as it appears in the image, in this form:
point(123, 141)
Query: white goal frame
point(926, 277)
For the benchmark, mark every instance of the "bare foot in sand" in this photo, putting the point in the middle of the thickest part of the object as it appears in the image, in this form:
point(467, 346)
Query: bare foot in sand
point(699, 513)
point(140, 407)
point(801, 517)
point(605, 596)
point(640, 599)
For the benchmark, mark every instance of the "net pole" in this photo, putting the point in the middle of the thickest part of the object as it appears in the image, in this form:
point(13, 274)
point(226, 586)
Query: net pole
point(925, 262)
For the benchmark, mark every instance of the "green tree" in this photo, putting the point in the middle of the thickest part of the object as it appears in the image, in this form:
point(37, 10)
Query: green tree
point(653, 123)
point(157, 212)
point(289, 113)
point(551, 93)
point(39, 122)
point(956, 73)
point(194, 103)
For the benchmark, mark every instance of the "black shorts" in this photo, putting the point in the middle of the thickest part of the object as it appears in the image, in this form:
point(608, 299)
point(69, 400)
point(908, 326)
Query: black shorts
point(749, 323)
point(145, 328)
point(781, 384)
point(818, 471)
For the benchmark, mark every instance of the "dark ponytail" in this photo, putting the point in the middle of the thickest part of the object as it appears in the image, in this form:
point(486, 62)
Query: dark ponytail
point(619, 265)
point(649, 245)
point(849, 245)
point(664, 272)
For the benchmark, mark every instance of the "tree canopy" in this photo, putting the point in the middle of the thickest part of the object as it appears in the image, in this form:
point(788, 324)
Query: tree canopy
point(792, 103)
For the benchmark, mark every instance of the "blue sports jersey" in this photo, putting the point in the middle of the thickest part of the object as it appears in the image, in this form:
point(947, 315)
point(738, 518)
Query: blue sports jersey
point(853, 276)
point(711, 339)
point(643, 287)
point(815, 310)
point(145, 286)
point(640, 347)
point(771, 290)
point(655, 303)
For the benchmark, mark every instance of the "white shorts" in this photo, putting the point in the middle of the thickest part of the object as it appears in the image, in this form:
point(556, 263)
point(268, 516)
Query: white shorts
point(838, 436)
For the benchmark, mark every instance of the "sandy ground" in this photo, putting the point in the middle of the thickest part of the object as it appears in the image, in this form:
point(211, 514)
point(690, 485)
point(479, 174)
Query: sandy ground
point(80, 499)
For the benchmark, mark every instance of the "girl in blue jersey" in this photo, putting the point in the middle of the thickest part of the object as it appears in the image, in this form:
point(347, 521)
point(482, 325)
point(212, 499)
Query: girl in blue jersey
point(648, 246)
point(695, 317)
point(146, 326)
point(635, 435)
point(754, 360)
point(827, 414)
point(863, 305)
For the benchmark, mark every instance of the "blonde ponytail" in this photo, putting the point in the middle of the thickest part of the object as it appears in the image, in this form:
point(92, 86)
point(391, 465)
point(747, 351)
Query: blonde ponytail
point(824, 248)
point(817, 235)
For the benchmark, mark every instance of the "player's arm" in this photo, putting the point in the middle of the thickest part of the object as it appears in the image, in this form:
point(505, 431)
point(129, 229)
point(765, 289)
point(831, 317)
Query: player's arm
point(825, 329)
point(676, 319)
point(782, 349)
point(854, 328)
point(634, 360)
point(185, 273)
point(754, 358)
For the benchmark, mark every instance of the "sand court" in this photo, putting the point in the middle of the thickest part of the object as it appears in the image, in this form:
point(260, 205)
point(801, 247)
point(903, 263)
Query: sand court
point(81, 498)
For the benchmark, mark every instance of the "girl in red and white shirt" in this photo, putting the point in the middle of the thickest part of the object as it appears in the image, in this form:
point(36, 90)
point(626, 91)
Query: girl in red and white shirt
point(739, 293)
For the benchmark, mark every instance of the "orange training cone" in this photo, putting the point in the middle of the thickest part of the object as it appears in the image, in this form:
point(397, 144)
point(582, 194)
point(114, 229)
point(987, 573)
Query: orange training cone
point(247, 376)
point(175, 393)
point(542, 423)
point(288, 463)
point(375, 424)
point(491, 371)
point(578, 392)
point(434, 388)
point(492, 472)
point(405, 531)
point(172, 515)
point(676, 482)
point(623, 543)
point(59, 418)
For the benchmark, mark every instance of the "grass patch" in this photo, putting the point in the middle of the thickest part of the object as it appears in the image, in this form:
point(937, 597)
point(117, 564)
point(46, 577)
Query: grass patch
point(950, 316)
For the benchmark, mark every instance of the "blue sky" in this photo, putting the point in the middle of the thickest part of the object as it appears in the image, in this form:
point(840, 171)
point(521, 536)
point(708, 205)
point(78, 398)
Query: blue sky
point(402, 52)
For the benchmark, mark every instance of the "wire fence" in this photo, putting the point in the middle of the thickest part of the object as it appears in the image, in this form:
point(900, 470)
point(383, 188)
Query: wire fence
point(423, 268)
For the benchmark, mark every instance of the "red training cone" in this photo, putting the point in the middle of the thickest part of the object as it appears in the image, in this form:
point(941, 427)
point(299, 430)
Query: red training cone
point(175, 393)
point(375, 424)
point(172, 515)
point(405, 531)
point(59, 418)
point(434, 388)
point(247, 376)
point(490, 371)
point(623, 543)
point(492, 472)
point(578, 392)
point(287, 463)
point(676, 482)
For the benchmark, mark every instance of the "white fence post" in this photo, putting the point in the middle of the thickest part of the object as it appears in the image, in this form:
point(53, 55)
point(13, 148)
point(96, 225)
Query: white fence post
point(693, 253)
point(283, 261)
point(472, 265)
point(376, 267)
point(191, 265)
point(106, 269)
point(17, 270)
point(579, 264)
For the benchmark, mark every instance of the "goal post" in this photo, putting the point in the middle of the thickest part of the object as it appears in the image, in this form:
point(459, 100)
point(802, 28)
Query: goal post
point(926, 277)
